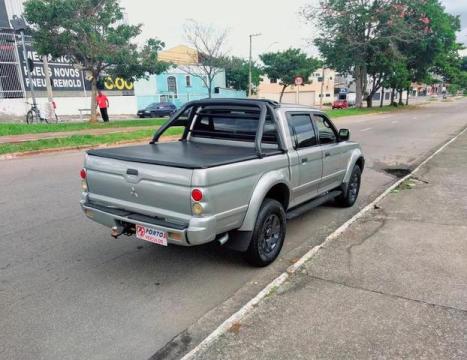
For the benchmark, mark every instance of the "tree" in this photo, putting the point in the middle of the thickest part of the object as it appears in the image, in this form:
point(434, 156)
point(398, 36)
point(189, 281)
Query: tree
point(209, 44)
point(93, 35)
point(434, 49)
point(236, 73)
point(351, 33)
point(355, 33)
point(285, 65)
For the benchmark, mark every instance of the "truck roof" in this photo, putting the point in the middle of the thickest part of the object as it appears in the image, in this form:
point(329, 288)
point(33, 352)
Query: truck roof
point(247, 102)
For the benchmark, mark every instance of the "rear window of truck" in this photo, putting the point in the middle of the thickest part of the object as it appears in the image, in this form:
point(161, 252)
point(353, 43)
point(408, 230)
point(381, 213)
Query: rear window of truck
point(233, 125)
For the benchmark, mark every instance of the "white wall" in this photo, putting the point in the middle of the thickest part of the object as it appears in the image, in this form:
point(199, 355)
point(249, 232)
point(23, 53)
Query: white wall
point(68, 105)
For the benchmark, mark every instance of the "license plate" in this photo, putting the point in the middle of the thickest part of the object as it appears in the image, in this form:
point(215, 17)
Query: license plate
point(152, 235)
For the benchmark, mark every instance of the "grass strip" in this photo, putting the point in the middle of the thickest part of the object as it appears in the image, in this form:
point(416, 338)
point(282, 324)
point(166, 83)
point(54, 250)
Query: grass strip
point(21, 128)
point(83, 140)
point(365, 111)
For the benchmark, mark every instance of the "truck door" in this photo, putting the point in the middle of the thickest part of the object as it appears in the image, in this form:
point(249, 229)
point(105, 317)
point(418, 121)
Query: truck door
point(334, 154)
point(307, 165)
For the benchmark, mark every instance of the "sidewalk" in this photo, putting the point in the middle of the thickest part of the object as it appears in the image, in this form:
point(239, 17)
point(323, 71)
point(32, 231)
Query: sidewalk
point(394, 285)
point(12, 139)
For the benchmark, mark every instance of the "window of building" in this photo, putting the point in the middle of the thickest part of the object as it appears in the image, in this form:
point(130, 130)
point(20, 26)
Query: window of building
point(188, 81)
point(172, 85)
point(302, 130)
point(387, 96)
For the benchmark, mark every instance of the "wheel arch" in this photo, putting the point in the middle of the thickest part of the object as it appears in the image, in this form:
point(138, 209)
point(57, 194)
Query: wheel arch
point(356, 158)
point(274, 185)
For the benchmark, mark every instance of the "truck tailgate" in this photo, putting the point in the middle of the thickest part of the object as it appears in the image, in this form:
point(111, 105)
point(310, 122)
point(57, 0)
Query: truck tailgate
point(149, 189)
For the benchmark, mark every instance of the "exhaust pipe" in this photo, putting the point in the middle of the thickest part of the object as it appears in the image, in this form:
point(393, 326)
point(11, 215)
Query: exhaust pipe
point(222, 240)
point(128, 229)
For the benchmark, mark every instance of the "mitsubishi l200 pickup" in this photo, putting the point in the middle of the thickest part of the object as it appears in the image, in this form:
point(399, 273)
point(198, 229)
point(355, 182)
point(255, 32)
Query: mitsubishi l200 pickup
point(239, 171)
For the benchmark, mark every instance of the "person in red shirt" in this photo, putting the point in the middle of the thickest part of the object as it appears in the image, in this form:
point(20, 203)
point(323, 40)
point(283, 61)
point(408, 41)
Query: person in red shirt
point(103, 104)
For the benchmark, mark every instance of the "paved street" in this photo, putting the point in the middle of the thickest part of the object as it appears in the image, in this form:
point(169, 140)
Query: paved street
point(68, 290)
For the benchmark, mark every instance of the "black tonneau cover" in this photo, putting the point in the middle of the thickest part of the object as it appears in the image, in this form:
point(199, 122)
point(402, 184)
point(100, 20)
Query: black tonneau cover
point(182, 154)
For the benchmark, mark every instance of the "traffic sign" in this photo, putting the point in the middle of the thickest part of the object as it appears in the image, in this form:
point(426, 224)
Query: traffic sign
point(298, 81)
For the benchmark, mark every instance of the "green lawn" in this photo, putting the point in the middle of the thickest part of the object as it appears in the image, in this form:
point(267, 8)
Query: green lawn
point(83, 140)
point(374, 110)
point(19, 129)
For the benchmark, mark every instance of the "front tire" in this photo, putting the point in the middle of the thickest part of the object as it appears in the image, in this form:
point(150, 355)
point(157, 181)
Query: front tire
point(350, 195)
point(268, 234)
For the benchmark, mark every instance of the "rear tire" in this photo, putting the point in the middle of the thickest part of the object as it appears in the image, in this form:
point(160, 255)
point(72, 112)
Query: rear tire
point(30, 117)
point(268, 234)
point(350, 195)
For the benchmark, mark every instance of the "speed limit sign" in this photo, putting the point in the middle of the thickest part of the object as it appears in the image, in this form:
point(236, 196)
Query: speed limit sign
point(298, 81)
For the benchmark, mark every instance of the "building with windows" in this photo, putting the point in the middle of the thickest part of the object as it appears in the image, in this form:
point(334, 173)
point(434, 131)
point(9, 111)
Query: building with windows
point(181, 83)
point(70, 86)
point(320, 85)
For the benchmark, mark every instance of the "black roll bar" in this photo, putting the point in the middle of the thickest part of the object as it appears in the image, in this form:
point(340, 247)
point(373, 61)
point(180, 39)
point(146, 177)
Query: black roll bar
point(262, 105)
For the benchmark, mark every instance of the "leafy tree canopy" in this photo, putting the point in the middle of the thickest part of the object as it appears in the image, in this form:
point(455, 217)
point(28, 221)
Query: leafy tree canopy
point(236, 72)
point(284, 66)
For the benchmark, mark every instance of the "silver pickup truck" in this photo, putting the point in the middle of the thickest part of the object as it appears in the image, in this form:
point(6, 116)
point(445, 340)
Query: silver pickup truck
point(240, 169)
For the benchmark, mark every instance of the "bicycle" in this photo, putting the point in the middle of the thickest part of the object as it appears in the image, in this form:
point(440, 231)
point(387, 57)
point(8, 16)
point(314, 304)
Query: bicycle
point(34, 115)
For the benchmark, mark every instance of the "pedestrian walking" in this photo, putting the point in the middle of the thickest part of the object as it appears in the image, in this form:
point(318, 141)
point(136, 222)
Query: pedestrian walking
point(103, 104)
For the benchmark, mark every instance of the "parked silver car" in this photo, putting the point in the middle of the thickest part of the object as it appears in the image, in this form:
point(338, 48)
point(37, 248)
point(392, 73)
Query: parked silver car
point(240, 169)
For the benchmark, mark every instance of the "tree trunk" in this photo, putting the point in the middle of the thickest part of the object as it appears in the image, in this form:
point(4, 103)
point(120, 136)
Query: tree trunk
point(393, 94)
point(369, 101)
point(282, 92)
point(382, 97)
point(400, 97)
point(358, 87)
point(93, 118)
point(407, 99)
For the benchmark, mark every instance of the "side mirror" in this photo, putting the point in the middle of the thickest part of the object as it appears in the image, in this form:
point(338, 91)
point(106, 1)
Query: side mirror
point(344, 134)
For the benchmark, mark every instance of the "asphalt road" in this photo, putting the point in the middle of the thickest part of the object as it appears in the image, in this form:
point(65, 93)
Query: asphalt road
point(70, 291)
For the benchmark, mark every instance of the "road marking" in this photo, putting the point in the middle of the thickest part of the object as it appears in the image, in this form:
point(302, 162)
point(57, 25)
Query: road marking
point(250, 305)
point(394, 122)
point(366, 129)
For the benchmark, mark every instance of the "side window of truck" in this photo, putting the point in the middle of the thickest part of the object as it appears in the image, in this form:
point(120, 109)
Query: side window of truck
point(327, 132)
point(302, 130)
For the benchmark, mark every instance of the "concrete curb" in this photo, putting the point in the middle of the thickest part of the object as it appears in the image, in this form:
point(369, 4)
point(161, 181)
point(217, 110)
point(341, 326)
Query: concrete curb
point(16, 155)
point(249, 306)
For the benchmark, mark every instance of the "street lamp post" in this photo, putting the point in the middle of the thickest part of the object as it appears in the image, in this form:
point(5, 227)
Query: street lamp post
point(250, 63)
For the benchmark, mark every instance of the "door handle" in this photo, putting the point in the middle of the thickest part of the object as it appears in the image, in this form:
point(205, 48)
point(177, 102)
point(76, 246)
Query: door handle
point(304, 160)
point(326, 154)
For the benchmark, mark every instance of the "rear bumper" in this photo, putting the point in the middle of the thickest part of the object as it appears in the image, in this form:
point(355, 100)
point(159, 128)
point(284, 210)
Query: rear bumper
point(196, 232)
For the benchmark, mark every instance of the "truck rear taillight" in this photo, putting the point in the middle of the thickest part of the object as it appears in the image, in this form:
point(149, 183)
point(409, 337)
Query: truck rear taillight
point(84, 184)
point(196, 195)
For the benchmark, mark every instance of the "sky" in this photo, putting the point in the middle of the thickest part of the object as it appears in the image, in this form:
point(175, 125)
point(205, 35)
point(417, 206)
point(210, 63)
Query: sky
point(279, 22)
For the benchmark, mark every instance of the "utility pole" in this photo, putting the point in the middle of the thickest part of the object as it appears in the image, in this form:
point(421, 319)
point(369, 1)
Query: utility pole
point(48, 84)
point(322, 88)
point(250, 63)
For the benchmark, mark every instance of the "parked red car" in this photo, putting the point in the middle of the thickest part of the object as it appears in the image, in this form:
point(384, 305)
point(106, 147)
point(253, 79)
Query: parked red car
point(340, 104)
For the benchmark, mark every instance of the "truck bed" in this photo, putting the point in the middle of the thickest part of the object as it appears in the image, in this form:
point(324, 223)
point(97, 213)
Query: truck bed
point(182, 154)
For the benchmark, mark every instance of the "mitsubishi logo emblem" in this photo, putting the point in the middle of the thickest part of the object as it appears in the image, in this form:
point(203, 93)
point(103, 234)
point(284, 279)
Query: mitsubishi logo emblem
point(133, 191)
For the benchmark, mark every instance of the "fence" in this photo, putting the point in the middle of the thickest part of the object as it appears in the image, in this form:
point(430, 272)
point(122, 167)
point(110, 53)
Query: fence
point(11, 78)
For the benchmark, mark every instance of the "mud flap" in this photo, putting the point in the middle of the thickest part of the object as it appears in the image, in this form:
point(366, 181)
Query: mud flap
point(239, 240)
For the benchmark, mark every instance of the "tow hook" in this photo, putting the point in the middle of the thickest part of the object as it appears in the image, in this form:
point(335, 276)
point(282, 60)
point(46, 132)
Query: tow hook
point(122, 230)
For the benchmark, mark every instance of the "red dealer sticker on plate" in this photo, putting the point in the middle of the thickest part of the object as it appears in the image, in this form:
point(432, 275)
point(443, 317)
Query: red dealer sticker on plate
point(152, 235)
